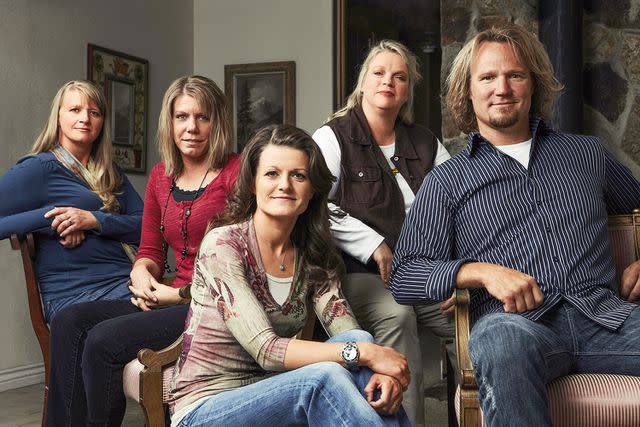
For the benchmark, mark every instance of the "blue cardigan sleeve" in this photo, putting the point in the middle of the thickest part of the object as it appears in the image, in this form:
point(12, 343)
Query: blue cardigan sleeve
point(22, 193)
point(126, 225)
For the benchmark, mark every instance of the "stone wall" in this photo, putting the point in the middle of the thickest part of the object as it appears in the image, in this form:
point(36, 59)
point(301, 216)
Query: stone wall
point(462, 19)
point(611, 76)
point(611, 56)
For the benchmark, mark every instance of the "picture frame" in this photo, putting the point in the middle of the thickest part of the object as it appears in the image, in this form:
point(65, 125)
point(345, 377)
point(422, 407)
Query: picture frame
point(260, 94)
point(124, 80)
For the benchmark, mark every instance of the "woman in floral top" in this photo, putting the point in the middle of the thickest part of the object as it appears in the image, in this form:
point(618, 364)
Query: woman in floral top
point(269, 256)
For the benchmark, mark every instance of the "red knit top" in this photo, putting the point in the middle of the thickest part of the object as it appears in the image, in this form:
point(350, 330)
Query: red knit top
point(210, 203)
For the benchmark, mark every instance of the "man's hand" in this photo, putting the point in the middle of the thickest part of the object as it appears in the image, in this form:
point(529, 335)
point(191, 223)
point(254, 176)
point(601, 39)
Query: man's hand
point(448, 306)
point(630, 283)
point(517, 291)
point(383, 257)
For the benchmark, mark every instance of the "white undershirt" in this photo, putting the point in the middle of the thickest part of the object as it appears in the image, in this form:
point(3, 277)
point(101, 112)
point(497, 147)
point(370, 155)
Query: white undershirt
point(519, 151)
point(349, 233)
point(279, 287)
point(407, 194)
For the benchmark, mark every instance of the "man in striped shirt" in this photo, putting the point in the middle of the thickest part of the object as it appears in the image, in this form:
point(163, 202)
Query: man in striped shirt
point(520, 218)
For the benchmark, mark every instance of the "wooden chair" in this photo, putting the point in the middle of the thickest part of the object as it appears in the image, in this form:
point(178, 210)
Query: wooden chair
point(147, 386)
point(581, 400)
point(27, 249)
point(147, 378)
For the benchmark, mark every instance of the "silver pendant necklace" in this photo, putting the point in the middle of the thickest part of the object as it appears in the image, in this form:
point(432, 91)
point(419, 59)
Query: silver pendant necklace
point(282, 266)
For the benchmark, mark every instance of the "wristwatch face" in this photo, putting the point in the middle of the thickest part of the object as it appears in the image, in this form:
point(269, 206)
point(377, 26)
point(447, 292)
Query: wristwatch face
point(350, 353)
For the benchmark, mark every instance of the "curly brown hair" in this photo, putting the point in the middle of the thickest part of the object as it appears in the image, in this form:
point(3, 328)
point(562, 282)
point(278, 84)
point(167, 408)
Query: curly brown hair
point(311, 234)
point(529, 51)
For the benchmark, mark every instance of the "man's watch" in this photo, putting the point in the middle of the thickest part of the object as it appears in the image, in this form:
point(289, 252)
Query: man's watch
point(351, 355)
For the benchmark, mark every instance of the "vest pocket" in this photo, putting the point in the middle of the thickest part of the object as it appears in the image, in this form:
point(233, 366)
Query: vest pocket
point(363, 185)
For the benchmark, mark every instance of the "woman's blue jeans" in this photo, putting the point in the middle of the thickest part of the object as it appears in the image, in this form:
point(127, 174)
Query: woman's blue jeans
point(321, 394)
point(514, 358)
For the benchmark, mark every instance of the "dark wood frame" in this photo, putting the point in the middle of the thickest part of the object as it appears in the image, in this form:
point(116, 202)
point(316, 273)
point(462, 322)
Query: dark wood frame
point(288, 68)
point(624, 231)
point(135, 71)
point(26, 246)
point(339, 55)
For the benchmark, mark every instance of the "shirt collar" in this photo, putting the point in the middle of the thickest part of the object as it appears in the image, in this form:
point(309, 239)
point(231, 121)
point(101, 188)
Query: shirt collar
point(536, 125)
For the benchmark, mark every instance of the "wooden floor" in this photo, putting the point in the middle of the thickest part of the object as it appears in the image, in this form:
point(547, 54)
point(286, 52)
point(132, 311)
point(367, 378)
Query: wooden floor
point(21, 408)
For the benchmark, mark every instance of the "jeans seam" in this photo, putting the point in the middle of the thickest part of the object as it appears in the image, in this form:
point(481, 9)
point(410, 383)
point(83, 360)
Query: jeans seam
point(76, 356)
point(572, 332)
point(608, 353)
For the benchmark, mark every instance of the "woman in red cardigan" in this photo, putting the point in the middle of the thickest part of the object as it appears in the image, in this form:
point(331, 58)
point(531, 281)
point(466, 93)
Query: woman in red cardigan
point(91, 342)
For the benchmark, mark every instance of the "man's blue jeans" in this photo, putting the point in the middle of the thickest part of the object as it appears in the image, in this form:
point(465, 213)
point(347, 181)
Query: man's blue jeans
point(514, 358)
point(321, 394)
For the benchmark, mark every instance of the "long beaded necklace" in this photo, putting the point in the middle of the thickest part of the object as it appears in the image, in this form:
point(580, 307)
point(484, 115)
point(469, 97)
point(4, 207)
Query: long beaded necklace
point(184, 231)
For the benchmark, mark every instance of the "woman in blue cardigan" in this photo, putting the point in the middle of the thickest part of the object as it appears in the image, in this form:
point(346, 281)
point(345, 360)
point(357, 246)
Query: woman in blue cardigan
point(82, 210)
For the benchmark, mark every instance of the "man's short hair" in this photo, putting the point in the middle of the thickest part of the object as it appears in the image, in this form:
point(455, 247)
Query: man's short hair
point(531, 54)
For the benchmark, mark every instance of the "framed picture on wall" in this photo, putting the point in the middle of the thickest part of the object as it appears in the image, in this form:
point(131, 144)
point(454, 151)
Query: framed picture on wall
point(124, 80)
point(259, 95)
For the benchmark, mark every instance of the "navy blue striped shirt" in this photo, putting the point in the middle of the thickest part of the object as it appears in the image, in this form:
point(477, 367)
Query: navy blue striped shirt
point(549, 221)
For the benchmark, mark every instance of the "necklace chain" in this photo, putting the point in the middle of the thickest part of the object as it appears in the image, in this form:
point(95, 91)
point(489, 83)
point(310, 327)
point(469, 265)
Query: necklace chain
point(282, 266)
point(184, 231)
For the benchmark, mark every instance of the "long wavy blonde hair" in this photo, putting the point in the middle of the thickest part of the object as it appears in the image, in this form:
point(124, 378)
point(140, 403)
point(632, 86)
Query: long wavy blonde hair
point(355, 99)
point(529, 51)
point(212, 100)
point(108, 180)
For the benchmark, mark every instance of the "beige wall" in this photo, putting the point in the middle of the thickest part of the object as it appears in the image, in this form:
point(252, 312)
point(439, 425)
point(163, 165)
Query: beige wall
point(248, 31)
point(42, 45)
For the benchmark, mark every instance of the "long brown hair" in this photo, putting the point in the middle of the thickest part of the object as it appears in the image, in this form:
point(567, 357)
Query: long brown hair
point(311, 234)
point(212, 100)
point(109, 180)
point(529, 51)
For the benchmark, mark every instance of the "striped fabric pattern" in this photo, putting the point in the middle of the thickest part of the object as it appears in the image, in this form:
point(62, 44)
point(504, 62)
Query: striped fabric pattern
point(597, 400)
point(549, 221)
point(591, 400)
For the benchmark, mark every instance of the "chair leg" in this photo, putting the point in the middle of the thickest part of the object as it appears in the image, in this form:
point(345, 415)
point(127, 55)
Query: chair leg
point(470, 415)
point(151, 397)
point(44, 404)
point(452, 421)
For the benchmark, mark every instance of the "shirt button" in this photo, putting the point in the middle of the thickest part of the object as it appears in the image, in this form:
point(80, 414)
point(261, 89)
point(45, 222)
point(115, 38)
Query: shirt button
point(548, 229)
point(395, 158)
point(360, 174)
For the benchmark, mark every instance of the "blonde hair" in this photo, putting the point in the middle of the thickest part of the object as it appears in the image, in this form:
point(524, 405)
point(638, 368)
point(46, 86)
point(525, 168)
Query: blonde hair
point(212, 100)
point(355, 99)
point(108, 180)
point(529, 51)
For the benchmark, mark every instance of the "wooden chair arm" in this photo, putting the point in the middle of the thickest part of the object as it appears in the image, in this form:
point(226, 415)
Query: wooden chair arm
point(151, 381)
point(158, 359)
point(465, 373)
